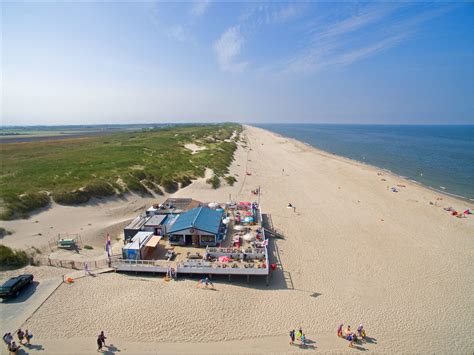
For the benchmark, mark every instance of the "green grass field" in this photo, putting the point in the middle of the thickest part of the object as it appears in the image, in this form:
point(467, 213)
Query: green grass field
point(72, 171)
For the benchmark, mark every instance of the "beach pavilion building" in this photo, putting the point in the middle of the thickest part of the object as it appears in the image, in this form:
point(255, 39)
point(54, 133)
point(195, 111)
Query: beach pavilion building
point(199, 226)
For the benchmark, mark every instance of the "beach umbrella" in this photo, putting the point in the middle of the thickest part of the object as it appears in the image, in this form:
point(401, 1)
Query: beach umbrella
point(248, 213)
point(248, 219)
point(213, 205)
point(239, 228)
point(224, 259)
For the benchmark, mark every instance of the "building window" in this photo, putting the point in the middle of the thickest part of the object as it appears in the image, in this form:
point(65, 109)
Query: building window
point(207, 239)
point(175, 238)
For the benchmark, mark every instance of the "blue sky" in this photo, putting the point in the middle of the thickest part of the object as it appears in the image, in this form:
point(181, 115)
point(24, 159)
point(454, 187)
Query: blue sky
point(321, 62)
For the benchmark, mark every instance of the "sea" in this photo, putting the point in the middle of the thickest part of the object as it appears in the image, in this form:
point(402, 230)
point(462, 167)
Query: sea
point(440, 157)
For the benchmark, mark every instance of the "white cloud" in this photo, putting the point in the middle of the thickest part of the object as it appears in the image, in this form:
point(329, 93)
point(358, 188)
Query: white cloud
point(354, 38)
point(367, 16)
point(360, 53)
point(199, 8)
point(228, 47)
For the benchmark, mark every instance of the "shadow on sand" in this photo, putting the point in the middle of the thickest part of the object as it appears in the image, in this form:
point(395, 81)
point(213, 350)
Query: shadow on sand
point(26, 348)
point(111, 349)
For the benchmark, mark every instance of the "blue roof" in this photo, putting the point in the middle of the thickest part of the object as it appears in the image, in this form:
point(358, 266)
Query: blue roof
point(201, 218)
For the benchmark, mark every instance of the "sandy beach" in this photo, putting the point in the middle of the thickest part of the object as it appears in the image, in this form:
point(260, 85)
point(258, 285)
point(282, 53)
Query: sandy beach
point(353, 252)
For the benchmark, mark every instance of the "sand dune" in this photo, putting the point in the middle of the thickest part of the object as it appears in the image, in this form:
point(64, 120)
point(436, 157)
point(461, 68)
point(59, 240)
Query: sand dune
point(353, 252)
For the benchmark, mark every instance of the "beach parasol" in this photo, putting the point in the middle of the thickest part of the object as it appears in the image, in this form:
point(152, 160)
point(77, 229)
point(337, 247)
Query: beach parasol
point(224, 259)
point(248, 219)
point(248, 213)
point(213, 204)
point(239, 228)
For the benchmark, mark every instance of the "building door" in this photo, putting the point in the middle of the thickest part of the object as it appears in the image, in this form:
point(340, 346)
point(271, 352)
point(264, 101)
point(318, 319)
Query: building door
point(188, 239)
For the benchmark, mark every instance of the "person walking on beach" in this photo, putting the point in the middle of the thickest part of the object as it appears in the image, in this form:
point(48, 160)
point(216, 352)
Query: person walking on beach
point(299, 334)
point(28, 336)
point(102, 337)
point(13, 348)
point(303, 340)
point(99, 343)
point(350, 337)
point(7, 338)
point(292, 337)
point(20, 335)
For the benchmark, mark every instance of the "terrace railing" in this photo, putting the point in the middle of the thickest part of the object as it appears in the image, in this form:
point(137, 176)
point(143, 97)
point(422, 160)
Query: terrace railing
point(219, 265)
point(116, 262)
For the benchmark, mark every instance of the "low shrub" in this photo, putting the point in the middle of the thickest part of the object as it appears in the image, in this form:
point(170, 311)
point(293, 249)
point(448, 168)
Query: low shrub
point(169, 185)
point(97, 189)
point(135, 185)
point(185, 181)
point(214, 181)
point(152, 186)
point(139, 174)
point(12, 258)
point(20, 205)
point(70, 197)
point(230, 180)
point(4, 232)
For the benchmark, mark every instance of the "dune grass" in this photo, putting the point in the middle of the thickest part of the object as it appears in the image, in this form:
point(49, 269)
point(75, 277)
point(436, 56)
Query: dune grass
point(14, 259)
point(72, 171)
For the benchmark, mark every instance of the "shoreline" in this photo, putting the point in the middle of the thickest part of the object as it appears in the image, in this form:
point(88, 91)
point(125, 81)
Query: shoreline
point(337, 156)
point(354, 161)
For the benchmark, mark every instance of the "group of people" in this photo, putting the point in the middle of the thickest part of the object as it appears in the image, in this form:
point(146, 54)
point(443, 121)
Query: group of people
point(101, 340)
point(24, 338)
point(299, 336)
point(351, 336)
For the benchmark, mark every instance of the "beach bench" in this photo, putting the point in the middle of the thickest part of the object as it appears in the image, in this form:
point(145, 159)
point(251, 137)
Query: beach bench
point(67, 244)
